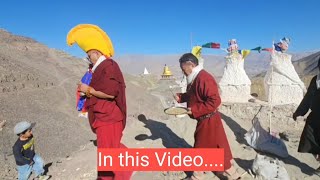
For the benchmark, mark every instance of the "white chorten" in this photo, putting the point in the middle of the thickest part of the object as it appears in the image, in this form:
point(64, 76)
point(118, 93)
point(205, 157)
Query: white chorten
point(235, 85)
point(145, 72)
point(282, 83)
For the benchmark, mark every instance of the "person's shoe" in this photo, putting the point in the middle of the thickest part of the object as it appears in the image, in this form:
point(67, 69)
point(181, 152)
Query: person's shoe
point(43, 177)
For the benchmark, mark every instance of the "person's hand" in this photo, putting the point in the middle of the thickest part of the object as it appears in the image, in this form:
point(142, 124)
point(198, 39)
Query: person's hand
point(189, 111)
point(31, 163)
point(294, 116)
point(82, 87)
point(176, 97)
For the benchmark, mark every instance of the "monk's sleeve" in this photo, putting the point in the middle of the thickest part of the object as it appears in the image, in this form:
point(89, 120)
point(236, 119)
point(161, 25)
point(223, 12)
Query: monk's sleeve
point(210, 99)
point(183, 97)
point(110, 84)
point(305, 104)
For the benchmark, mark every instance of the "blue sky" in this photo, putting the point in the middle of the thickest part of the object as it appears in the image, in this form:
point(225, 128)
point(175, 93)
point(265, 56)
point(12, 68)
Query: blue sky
point(165, 26)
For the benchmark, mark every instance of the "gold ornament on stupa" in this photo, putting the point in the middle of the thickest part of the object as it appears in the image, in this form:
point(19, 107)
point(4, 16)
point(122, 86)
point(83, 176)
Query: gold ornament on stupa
point(167, 74)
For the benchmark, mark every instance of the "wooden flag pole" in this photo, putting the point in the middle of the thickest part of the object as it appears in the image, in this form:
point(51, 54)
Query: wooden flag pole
point(271, 101)
point(191, 40)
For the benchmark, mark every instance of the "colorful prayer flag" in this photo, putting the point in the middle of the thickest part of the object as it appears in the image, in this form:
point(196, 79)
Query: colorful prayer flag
point(245, 53)
point(212, 45)
point(196, 50)
point(267, 49)
point(257, 49)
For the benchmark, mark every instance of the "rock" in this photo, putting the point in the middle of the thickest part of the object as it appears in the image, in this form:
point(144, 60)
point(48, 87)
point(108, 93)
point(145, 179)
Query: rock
point(2, 124)
point(284, 136)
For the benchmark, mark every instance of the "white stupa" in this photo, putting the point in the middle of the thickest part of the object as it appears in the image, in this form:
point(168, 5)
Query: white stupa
point(145, 72)
point(282, 83)
point(235, 85)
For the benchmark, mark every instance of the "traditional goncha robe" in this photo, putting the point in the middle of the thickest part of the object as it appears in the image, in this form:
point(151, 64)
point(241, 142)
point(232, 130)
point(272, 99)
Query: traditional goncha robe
point(310, 138)
point(203, 98)
point(107, 117)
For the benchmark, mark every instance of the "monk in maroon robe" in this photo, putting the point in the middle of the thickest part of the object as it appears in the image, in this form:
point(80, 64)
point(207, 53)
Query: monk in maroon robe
point(203, 100)
point(106, 104)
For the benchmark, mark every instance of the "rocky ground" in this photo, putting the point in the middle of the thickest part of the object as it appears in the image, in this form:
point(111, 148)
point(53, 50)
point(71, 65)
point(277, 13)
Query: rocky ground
point(178, 132)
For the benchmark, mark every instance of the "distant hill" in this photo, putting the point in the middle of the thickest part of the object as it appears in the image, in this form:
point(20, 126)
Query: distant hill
point(255, 63)
point(308, 65)
point(38, 84)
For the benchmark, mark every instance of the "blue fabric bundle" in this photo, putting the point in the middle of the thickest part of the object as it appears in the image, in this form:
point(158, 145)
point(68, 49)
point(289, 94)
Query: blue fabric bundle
point(86, 79)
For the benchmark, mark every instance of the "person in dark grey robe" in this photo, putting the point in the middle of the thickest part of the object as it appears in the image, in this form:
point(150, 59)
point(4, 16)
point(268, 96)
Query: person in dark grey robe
point(310, 137)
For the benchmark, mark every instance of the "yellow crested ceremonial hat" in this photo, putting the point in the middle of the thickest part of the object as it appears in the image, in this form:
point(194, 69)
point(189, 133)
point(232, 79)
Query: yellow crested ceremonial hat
point(88, 37)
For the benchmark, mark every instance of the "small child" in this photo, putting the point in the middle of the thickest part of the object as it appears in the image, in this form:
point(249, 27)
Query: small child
point(26, 158)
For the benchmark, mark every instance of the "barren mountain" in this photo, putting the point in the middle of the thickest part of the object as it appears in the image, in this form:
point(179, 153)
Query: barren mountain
point(38, 84)
point(255, 63)
point(308, 65)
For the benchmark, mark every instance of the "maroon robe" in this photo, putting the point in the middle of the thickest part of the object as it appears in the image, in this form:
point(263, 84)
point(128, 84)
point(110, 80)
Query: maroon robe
point(203, 98)
point(107, 117)
point(108, 79)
